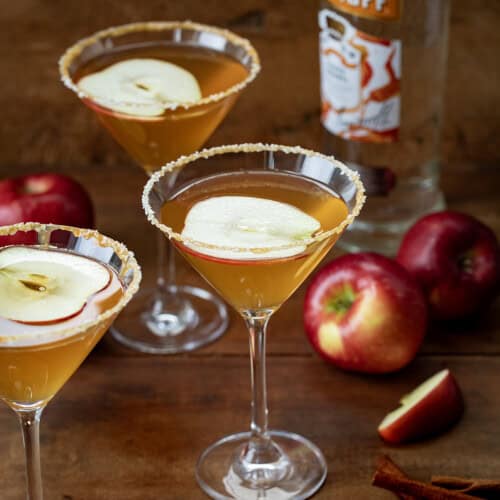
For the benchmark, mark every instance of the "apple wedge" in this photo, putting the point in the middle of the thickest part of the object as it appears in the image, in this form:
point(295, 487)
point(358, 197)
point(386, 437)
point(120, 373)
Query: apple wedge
point(141, 86)
point(40, 286)
point(430, 409)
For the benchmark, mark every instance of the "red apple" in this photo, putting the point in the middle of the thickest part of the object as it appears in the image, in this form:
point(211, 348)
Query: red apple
point(456, 259)
point(45, 198)
point(364, 312)
point(430, 409)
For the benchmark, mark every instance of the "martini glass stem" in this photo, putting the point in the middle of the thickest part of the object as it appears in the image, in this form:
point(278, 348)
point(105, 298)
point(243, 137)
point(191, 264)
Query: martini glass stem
point(169, 313)
point(165, 279)
point(165, 263)
point(30, 425)
point(257, 327)
point(260, 451)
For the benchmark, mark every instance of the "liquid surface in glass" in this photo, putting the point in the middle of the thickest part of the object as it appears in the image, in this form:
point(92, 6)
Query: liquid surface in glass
point(263, 282)
point(36, 361)
point(153, 141)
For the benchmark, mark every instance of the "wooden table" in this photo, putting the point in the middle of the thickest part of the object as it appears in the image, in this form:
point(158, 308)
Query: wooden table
point(130, 427)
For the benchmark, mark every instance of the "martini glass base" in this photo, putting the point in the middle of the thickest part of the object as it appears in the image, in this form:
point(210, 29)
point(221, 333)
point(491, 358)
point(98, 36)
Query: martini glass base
point(181, 319)
point(298, 474)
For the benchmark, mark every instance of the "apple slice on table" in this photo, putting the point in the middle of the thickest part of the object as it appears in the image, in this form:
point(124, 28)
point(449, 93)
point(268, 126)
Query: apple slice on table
point(45, 286)
point(430, 409)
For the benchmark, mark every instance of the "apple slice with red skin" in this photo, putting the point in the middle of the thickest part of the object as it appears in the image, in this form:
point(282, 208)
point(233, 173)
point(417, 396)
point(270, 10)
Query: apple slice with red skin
point(44, 287)
point(456, 260)
point(234, 262)
point(141, 86)
point(430, 409)
point(45, 198)
point(221, 223)
point(364, 312)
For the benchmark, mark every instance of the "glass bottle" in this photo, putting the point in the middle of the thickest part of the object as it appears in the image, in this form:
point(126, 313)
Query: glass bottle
point(383, 68)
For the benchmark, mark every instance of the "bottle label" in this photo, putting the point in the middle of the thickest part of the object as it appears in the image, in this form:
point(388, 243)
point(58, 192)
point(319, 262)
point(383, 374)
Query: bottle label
point(387, 10)
point(360, 82)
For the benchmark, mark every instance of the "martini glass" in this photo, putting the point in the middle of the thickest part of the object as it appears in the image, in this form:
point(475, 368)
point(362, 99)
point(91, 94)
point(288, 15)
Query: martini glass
point(256, 280)
point(36, 361)
point(167, 318)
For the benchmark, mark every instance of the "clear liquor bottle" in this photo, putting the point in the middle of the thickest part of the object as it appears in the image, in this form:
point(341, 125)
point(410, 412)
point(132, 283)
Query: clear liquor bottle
point(383, 67)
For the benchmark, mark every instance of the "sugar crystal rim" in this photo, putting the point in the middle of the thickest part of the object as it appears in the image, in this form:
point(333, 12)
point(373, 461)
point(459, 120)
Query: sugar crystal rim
point(126, 256)
point(251, 148)
point(75, 50)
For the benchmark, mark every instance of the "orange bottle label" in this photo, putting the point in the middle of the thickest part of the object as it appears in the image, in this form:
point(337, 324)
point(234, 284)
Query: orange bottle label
point(387, 10)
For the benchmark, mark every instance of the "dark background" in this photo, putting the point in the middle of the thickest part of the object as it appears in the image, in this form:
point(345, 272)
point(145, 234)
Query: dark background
point(43, 125)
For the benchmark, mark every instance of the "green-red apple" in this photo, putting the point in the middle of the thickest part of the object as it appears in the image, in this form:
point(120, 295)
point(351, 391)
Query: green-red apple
point(364, 312)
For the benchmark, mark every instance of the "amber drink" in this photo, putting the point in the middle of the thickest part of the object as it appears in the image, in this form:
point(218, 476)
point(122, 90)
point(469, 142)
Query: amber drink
point(161, 89)
point(255, 220)
point(34, 361)
point(58, 297)
point(152, 141)
point(258, 281)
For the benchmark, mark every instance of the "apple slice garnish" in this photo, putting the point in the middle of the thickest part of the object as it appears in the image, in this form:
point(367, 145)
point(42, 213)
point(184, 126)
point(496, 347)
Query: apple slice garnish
point(235, 262)
point(141, 86)
point(47, 286)
point(430, 409)
point(248, 223)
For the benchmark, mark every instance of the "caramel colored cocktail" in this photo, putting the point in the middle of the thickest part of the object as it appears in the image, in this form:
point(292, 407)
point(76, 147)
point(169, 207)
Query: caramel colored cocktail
point(35, 363)
point(57, 299)
point(152, 141)
point(191, 74)
point(255, 220)
point(261, 282)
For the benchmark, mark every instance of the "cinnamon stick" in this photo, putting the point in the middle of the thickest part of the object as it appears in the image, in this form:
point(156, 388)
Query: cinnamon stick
point(481, 488)
point(386, 478)
point(390, 466)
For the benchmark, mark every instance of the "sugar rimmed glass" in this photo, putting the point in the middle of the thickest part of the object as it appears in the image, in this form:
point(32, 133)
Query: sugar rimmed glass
point(47, 375)
point(261, 463)
point(166, 318)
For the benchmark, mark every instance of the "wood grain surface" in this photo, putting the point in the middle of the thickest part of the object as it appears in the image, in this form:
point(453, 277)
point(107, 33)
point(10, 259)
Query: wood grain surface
point(130, 427)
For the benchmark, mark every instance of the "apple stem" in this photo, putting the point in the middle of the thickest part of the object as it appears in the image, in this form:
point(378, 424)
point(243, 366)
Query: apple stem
point(342, 301)
point(465, 262)
point(30, 425)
